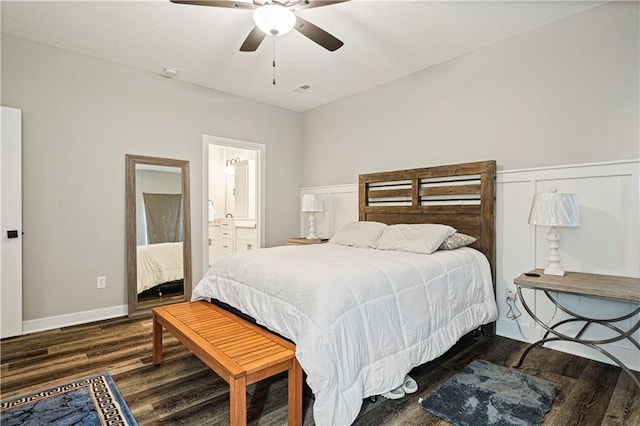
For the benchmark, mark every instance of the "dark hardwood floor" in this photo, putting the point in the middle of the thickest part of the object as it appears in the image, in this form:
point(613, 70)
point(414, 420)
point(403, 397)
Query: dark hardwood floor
point(184, 391)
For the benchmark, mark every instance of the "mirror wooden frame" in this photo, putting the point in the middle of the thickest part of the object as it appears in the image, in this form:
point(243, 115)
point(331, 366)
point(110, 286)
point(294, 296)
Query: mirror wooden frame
point(131, 162)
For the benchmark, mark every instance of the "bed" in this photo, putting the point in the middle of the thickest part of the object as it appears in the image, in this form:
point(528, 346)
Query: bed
point(159, 265)
point(363, 317)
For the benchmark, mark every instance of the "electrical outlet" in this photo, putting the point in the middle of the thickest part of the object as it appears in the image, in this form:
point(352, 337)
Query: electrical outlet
point(101, 282)
point(512, 294)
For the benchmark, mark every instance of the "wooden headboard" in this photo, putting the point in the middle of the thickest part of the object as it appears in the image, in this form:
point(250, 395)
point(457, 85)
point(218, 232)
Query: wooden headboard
point(459, 195)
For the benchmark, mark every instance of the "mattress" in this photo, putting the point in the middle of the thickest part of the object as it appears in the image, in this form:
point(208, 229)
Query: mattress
point(361, 319)
point(159, 263)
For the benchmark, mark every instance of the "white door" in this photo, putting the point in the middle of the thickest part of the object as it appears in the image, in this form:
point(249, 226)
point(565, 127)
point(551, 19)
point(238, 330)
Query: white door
point(11, 223)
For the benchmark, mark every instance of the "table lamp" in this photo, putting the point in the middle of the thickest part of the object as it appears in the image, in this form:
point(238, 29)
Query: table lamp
point(554, 209)
point(312, 203)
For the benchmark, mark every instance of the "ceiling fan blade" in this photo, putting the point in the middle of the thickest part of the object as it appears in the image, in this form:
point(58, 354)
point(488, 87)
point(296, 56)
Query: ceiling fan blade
point(217, 3)
point(317, 35)
point(253, 40)
point(308, 4)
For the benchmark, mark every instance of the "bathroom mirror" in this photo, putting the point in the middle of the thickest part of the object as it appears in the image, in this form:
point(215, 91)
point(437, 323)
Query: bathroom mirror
point(158, 232)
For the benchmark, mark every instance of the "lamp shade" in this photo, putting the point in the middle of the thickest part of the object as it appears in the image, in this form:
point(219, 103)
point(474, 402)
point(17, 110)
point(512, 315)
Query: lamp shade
point(554, 209)
point(312, 203)
point(274, 19)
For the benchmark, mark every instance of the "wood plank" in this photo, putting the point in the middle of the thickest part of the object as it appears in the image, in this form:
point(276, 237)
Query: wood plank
point(624, 289)
point(623, 408)
point(588, 399)
point(457, 190)
point(462, 169)
point(389, 193)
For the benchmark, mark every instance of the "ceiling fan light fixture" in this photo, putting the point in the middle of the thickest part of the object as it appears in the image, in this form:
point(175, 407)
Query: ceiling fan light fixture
point(274, 19)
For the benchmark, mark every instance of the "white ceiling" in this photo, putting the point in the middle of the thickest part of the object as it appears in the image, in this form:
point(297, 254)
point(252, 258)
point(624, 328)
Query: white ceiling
point(383, 40)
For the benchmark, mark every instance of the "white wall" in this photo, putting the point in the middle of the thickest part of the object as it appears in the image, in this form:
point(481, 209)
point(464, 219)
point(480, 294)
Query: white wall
point(80, 117)
point(563, 94)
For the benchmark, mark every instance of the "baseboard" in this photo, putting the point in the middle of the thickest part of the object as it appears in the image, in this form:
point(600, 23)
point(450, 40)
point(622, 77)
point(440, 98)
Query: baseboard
point(50, 323)
point(523, 333)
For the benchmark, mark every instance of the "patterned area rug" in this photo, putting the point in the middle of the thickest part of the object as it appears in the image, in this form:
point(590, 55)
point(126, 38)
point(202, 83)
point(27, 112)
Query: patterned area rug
point(90, 401)
point(487, 394)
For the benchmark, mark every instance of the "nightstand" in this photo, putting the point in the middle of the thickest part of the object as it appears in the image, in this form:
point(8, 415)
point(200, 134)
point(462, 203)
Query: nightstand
point(621, 289)
point(303, 241)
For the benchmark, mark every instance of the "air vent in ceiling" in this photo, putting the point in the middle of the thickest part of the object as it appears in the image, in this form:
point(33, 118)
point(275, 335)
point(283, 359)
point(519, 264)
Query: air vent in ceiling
point(302, 88)
point(169, 73)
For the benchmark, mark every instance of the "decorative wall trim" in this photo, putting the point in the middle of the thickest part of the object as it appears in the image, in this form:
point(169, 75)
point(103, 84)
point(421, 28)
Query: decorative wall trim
point(49, 323)
point(571, 166)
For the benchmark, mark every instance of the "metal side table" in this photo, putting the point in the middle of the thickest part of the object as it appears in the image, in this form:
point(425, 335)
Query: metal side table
point(621, 289)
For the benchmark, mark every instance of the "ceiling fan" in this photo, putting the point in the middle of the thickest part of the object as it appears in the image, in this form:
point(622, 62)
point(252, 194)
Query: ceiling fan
point(277, 17)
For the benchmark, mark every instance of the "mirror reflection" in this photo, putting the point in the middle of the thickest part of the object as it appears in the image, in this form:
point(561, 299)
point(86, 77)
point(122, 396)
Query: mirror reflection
point(158, 253)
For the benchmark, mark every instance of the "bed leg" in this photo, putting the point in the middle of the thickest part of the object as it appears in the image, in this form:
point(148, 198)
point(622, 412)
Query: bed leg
point(489, 329)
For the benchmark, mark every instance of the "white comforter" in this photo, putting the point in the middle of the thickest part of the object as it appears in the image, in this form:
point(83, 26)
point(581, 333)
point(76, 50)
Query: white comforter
point(361, 319)
point(159, 263)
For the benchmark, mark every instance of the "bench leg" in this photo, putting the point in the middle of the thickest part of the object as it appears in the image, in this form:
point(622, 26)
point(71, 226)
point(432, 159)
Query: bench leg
point(238, 392)
point(157, 341)
point(295, 394)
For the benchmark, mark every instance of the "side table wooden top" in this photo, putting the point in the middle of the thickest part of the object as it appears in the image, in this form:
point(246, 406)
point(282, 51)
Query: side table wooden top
point(304, 241)
point(624, 289)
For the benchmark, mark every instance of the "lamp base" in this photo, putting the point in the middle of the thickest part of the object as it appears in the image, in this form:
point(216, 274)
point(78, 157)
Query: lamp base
point(312, 228)
point(554, 270)
point(554, 267)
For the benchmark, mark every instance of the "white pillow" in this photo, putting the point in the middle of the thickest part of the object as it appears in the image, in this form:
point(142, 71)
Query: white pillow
point(359, 234)
point(424, 238)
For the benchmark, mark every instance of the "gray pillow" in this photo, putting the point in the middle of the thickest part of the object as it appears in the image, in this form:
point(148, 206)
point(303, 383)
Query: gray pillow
point(457, 240)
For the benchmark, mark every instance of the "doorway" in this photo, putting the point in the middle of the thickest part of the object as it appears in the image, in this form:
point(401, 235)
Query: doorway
point(233, 188)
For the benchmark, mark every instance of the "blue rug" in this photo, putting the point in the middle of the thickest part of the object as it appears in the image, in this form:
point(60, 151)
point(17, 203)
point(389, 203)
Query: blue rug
point(90, 401)
point(487, 394)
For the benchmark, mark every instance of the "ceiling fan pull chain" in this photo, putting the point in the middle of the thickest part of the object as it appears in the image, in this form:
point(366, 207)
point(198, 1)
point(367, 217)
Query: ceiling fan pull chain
point(274, 61)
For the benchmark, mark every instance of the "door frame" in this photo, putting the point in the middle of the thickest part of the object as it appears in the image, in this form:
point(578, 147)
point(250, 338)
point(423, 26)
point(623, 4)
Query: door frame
point(207, 142)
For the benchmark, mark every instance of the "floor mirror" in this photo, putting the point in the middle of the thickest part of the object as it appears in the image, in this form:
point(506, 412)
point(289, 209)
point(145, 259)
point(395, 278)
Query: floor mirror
point(158, 232)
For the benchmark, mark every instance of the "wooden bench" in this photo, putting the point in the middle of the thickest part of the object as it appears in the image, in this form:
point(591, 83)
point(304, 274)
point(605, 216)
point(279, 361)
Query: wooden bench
point(239, 352)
